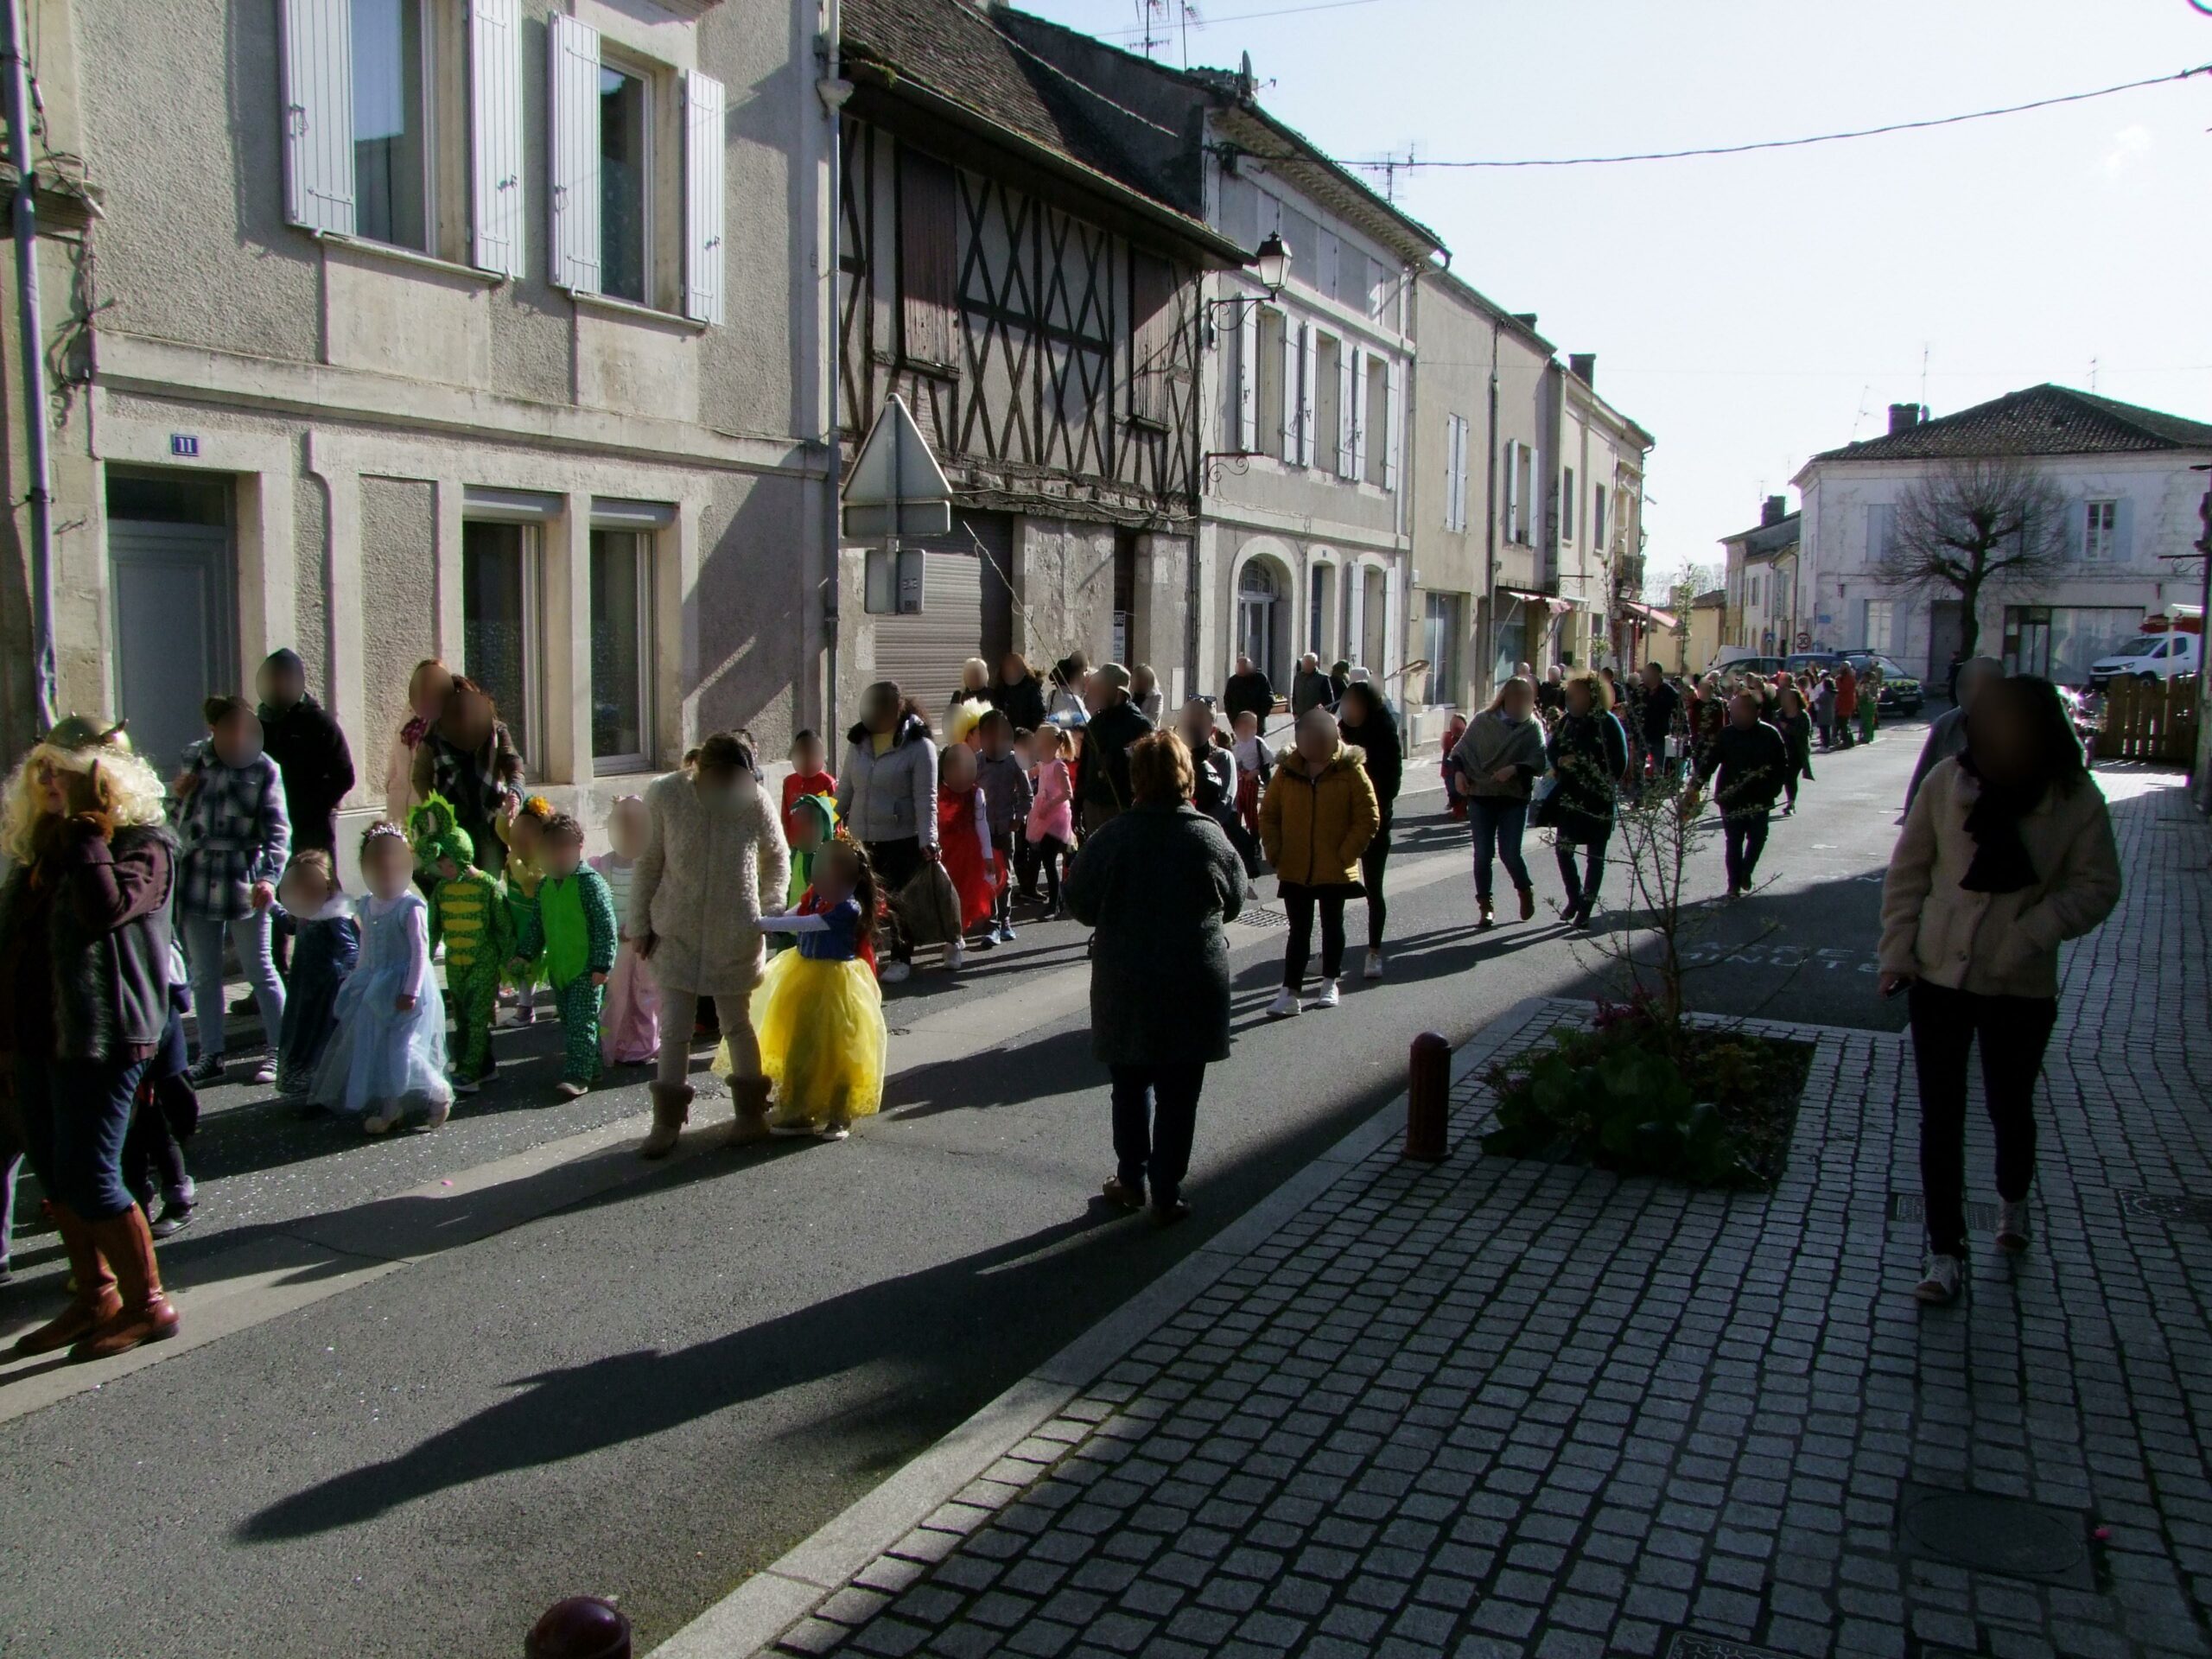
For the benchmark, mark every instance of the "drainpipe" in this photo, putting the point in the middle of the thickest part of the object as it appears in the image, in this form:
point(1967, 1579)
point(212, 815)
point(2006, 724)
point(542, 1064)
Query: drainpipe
point(833, 90)
point(1489, 524)
point(17, 91)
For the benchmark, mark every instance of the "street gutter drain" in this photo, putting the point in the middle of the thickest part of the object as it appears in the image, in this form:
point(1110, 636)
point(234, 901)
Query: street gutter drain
point(2011, 1537)
point(1910, 1207)
point(1263, 918)
point(2164, 1206)
point(1688, 1644)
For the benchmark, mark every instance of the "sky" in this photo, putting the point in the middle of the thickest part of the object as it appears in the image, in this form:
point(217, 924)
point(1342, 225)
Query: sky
point(1750, 311)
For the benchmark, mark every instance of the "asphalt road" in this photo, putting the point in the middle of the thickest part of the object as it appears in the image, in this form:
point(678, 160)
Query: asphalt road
point(428, 1386)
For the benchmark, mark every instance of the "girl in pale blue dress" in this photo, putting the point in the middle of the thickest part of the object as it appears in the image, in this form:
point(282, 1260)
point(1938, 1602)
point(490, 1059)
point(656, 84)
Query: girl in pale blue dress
point(387, 1060)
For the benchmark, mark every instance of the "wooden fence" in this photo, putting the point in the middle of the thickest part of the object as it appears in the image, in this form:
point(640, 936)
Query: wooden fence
point(2148, 720)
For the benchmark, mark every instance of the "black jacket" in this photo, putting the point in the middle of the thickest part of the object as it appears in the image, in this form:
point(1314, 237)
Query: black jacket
point(1247, 691)
point(1103, 775)
point(1022, 703)
point(1751, 763)
point(1377, 739)
point(103, 929)
point(1655, 712)
point(309, 749)
point(1588, 753)
point(1311, 689)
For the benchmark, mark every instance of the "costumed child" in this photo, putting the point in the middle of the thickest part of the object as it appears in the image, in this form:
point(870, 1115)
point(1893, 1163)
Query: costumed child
point(326, 944)
point(963, 836)
point(388, 1060)
point(164, 1112)
point(1453, 733)
point(468, 916)
point(1051, 830)
point(629, 1018)
point(1005, 783)
point(809, 776)
point(572, 930)
point(809, 825)
point(523, 829)
point(818, 1012)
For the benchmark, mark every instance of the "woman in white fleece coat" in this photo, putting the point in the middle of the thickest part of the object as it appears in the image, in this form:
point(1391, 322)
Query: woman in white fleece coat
point(714, 862)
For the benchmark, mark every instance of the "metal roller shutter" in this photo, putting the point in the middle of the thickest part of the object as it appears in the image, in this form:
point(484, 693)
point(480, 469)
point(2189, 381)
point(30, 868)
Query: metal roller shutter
point(967, 611)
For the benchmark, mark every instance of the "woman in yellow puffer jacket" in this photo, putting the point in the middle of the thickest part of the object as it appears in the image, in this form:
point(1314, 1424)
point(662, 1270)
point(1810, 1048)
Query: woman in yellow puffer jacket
point(1316, 819)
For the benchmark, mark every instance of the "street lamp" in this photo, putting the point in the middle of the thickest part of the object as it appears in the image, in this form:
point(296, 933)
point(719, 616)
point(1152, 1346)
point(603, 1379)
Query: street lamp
point(1273, 262)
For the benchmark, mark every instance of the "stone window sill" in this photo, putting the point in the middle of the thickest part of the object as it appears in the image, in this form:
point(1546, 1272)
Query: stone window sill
point(631, 311)
point(412, 258)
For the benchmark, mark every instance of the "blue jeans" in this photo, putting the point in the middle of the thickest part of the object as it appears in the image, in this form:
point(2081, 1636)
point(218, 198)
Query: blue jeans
point(1498, 821)
point(203, 948)
point(75, 1114)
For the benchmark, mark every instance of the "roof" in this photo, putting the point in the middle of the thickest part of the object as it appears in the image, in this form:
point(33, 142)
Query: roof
point(1302, 161)
point(1716, 599)
point(2045, 420)
point(952, 62)
point(1760, 540)
point(1466, 292)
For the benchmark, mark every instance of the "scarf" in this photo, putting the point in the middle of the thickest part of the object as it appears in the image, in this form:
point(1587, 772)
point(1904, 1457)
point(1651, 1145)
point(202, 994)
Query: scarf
point(2000, 862)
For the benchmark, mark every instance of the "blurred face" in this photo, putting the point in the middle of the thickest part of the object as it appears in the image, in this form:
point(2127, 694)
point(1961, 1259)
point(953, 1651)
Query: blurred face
point(1578, 700)
point(563, 855)
point(238, 739)
point(1744, 709)
point(975, 675)
point(625, 829)
point(836, 876)
point(1012, 670)
point(526, 835)
point(1248, 724)
point(280, 686)
point(50, 787)
point(432, 687)
point(2003, 736)
point(1317, 737)
point(724, 789)
point(808, 755)
point(958, 770)
point(880, 712)
point(386, 864)
point(1653, 676)
point(1243, 664)
point(806, 832)
point(1520, 699)
point(469, 721)
point(448, 870)
point(1195, 724)
point(302, 892)
point(1975, 679)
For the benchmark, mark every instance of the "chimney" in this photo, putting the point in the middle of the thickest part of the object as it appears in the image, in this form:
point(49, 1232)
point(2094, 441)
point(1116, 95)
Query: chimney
point(1585, 366)
point(1527, 320)
point(1776, 510)
point(1903, 416)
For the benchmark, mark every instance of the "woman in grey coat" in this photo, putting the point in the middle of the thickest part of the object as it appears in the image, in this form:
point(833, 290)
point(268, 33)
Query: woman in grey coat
point(1157, 881)
point(887, 799)
point(1495, 766)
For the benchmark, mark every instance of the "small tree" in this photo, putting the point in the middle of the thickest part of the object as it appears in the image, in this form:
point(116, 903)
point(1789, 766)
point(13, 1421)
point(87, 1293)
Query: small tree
point(1973, 523)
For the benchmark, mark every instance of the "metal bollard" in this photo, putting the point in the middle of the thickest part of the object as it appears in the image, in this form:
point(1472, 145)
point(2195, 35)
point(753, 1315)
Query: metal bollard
point(580, 1627)
point(1428, 1084)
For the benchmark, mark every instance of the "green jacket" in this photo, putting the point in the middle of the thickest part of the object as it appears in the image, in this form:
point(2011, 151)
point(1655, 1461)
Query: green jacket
point(573, 926)
point(469, 913)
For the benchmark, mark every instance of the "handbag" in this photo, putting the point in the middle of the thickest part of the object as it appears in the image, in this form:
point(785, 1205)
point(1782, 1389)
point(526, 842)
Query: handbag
point(927, 906)
point(1540, 807)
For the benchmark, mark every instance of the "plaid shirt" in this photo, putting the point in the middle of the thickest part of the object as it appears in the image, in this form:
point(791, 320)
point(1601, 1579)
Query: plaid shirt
point(234, 833)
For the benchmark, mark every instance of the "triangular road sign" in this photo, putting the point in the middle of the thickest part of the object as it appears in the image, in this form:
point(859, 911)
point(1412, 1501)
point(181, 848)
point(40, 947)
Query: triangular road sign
point(897, 488)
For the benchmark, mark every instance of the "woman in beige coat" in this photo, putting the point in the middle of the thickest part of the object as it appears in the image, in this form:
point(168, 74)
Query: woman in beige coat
point(2006, 853)
point(714, 863)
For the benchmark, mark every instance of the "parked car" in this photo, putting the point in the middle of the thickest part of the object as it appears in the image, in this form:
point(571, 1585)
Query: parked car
point(1741, 659)
point(2149, 657)
point(1901, 692)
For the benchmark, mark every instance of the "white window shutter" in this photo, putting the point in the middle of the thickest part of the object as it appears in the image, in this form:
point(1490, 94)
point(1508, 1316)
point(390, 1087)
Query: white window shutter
point(1359, 417)
point(1512, 491)
point(1310, 355)
point(495, 116)
point(2123, 530)
point(1247, 377)
point(704, 260)
point(1292, 358)
point(575, 147)
point(1347, 423)
point(1394, 383)
point(319, 114)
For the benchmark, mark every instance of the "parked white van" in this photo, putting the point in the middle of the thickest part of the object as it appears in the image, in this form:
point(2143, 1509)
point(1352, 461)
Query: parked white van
point(2150, 656)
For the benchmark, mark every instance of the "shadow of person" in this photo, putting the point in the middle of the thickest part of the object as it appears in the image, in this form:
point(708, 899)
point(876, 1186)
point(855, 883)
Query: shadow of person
point(557, 1415)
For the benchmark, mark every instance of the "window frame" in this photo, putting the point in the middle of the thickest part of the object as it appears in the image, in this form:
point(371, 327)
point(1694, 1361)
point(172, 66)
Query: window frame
point(645, 543)
point(428, 22)
point(1375, 371)
point(1567, 505)
point(649, 77)
point(1270, 365)
point(2100, 540)
point(529, 742)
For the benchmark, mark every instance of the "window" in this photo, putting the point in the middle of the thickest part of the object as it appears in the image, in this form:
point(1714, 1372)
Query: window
point(1566, 507)
point(1153, 339)
point(1441, 631)
point(391, 122)
point(1455, 472)
point(1256, 600)
point(626, 125)
point(928, 267)
point(1328, 405)
point(1268, 387)
point(621, 659)
point(1324, 584)
point(1881, 619)
point(1376, 438)
point(1520, 479)
point(1750, 591)
point(2101, 534)
point(499, 622)
point(1598, 517)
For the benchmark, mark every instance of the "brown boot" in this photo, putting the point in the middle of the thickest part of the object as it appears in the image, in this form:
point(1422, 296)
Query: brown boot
point(751, 1096)
point(671, 1110)
point(146, 1315)
point(1528, 903)
point(95, 1301)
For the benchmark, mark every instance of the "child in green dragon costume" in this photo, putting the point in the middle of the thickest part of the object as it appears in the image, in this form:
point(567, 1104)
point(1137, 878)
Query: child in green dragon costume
point(572, 927)
point(468, 911)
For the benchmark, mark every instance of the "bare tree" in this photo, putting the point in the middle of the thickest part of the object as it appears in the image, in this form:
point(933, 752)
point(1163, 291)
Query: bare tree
point(1686, 585)
point(1976, 521)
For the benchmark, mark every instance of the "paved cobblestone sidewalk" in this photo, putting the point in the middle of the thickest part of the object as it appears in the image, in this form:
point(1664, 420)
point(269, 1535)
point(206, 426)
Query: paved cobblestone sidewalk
point(1498, 1407)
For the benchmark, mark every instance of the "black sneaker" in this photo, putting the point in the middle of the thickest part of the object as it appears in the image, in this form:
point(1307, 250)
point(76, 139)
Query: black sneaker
point(207, 1069)
point(174, 1220)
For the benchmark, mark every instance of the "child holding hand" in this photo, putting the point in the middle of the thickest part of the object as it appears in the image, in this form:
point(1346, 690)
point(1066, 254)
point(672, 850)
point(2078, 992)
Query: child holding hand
point(1051, 829)
point(388, 1060)
point(469, 916)
point(964, 834)
point(326, 944)
point(523, 829)
point(818, 1012)
point(572, 929)
point(809, 776)
point(629, 1019)
point(1005, 783)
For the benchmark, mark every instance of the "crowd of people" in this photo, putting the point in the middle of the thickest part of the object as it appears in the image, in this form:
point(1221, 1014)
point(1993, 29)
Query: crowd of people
point(767, 925)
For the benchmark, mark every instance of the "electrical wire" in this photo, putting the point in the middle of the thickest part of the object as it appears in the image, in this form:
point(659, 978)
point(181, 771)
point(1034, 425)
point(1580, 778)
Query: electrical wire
point(1798, 143)
point(1237, 17)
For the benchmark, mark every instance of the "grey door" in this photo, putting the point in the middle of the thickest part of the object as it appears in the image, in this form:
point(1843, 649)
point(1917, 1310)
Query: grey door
point(1945, 632)
point(174, 644)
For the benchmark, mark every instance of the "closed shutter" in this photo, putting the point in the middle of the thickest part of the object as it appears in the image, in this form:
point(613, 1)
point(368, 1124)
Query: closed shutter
point(319, 114)
point(495, 112)
point(1512, 490)
point(1310, 358)
point(928, 257)
point(2123, 530)
point(1393, 386)
point(1293, 359)
point(1247, 377)
point(1152, 306)
point(1878, 534)
point(703, 259)
point(923, 654)
point(1347, 398)
point(575, 153)
point(1358, 471)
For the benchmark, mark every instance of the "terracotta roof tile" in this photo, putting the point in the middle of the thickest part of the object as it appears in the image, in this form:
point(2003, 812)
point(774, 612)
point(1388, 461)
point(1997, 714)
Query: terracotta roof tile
point(2045, 420)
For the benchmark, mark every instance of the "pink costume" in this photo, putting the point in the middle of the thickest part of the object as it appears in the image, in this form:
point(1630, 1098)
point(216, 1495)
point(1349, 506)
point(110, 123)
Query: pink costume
point(629, 1027)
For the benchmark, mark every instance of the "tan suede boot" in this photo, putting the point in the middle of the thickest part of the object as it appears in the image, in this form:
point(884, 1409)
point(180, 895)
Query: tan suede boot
point(146, 1315)
point(95, 1302)
point(750, 1095)
point(671, 1110)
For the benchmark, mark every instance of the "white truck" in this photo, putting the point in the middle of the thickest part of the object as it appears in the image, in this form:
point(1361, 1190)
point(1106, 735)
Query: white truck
point(2171, 642)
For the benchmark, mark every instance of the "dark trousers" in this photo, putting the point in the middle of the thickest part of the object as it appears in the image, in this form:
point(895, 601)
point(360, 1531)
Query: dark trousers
point(1156, 1113)
point(1048, 852)
point(1498, 821)
point(153, 1159)
point(2013, 1032)
point(1299, 904)
point(1371, 863)
point(1581, 885)
point(1742, 836)
point(897, 862)
point(75, 1114)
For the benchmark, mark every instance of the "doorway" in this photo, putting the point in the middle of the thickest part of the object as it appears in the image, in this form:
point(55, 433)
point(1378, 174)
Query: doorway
point(172, 581)
point(1374, 619)
point(1258, 595)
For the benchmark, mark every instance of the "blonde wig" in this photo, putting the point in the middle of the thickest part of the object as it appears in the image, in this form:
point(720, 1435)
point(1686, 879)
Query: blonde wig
point(129, 789)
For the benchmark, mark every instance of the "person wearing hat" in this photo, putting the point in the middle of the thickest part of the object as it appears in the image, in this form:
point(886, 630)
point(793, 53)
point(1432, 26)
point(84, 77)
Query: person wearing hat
point(1102, 785)
point(83, 1001)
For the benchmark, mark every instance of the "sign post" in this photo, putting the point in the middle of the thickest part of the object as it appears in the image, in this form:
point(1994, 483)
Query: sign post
point(896, 489)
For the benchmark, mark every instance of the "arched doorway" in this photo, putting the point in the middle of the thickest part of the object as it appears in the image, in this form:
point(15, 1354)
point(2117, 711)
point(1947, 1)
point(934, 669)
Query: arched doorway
point(1259, 598)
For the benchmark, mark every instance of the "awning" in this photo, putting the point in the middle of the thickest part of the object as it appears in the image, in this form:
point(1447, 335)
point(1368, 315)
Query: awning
point(1651, 615)
point(1557, 607)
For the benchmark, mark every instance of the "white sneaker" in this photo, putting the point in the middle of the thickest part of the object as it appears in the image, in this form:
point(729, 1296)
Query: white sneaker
point(1939, 1279)
point(1285, 1006)
point(1373, 968)
point(2013, 1227)
point(265, 1073)
point(1326, 996)
point(895, 972)
point(955, 956)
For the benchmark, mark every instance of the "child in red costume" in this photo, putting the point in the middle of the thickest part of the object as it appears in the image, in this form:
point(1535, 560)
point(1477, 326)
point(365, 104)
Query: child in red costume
point(964, 834)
